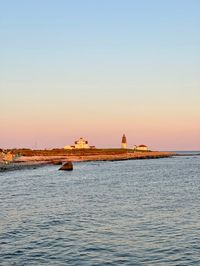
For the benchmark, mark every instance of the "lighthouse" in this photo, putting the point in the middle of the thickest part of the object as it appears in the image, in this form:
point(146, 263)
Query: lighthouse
point(124, 144)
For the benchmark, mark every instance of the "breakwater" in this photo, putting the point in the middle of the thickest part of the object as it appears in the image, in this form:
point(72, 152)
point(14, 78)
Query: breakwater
point(26, 162)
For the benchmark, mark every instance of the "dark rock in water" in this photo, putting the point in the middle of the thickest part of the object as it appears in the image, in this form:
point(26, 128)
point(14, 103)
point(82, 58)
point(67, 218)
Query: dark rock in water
point(68, 166)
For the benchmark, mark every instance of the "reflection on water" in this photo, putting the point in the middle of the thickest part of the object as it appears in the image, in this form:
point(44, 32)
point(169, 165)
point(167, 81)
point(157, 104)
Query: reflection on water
point(143, 212)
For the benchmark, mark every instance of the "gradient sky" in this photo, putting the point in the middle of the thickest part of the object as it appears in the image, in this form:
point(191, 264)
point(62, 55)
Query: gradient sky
point(98, 69)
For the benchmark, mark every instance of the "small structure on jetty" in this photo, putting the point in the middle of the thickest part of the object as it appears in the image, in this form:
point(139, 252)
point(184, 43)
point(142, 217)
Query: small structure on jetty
point(141, 147)
point(81, 143)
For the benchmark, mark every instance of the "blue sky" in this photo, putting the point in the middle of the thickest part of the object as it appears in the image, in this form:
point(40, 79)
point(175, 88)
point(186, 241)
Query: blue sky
point(111, 66)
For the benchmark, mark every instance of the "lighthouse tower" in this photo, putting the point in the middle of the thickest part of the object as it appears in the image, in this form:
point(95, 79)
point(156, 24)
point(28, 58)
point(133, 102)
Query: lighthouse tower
point(124, 144)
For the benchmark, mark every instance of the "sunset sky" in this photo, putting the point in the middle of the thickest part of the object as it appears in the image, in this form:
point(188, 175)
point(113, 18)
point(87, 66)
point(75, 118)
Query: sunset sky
point(97, 69)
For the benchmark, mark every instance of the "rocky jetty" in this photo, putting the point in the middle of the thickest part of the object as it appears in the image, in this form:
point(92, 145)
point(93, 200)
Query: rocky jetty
point(54, 158)
point(13, 166)
point(68, 166)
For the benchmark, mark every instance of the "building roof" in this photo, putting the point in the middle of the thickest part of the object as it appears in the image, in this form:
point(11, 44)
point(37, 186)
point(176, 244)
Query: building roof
point(142, 145)
point(81, 140)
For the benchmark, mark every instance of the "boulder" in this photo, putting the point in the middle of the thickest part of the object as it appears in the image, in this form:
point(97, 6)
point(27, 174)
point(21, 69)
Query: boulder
point(68, 166)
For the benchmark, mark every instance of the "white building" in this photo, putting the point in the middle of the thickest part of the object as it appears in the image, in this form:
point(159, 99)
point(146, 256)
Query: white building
point(68, 147)
point(81, 143)
point(141, 147)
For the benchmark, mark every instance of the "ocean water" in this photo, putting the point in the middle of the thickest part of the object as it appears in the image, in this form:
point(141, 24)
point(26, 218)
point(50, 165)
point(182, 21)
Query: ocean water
point(139, 212)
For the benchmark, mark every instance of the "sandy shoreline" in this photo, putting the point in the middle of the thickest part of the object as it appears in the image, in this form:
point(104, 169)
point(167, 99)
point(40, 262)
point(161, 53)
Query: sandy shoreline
point(31, 162)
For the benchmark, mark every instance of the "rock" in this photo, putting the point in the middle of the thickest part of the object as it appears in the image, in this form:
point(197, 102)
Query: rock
point(68, 166)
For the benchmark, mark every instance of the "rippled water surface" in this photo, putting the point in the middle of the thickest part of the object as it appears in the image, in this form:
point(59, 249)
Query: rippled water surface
point(142, 212)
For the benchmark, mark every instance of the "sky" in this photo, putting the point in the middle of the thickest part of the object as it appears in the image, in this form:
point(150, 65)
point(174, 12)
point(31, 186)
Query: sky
point(97, 69)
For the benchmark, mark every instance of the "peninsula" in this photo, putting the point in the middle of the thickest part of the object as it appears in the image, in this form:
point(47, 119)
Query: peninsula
point(27, 158)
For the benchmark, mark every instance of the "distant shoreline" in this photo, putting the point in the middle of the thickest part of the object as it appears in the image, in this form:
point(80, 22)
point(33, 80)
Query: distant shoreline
point(31, 162)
